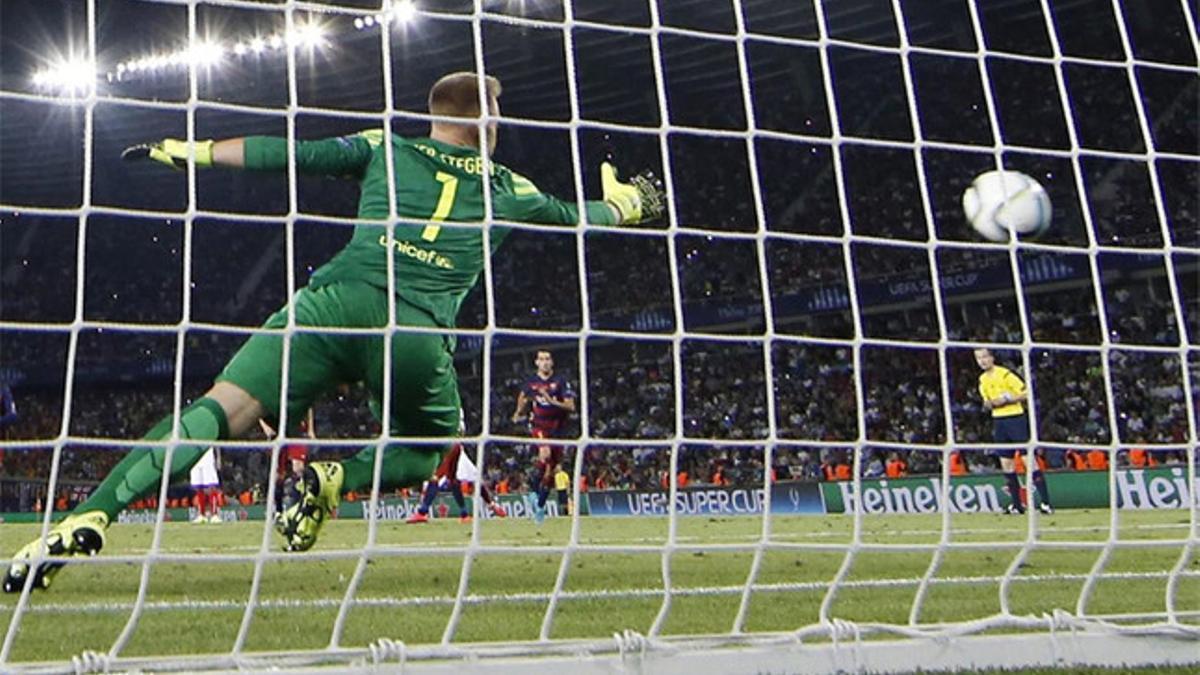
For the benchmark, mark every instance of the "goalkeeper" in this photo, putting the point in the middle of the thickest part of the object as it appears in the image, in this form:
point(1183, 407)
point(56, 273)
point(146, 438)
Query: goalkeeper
point(437, 179)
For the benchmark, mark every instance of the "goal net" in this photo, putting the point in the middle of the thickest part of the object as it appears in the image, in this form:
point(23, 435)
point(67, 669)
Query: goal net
point(779, 459)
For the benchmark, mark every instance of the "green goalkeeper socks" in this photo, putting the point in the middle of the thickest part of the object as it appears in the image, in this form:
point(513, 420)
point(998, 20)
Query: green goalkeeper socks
point(402, 467)
point(142, 469)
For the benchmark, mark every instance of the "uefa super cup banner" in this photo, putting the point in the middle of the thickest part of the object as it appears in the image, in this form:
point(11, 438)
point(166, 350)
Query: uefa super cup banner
point(1157, 488)
point(707, 501)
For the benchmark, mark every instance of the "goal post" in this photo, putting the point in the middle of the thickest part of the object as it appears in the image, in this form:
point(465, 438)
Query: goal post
point(782, 462)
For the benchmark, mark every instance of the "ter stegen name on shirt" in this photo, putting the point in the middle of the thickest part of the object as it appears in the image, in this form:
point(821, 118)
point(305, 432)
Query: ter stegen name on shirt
point(472, 165)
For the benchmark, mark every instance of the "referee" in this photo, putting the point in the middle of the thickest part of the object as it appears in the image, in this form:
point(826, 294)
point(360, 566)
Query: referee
point(1004, 394)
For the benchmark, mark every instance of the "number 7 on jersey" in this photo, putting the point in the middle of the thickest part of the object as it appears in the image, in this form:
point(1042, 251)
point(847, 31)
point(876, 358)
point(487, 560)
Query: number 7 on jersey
point(445, 202)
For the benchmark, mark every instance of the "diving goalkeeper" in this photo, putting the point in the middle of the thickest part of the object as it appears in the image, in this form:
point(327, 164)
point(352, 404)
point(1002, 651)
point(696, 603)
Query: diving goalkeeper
point(438, 178)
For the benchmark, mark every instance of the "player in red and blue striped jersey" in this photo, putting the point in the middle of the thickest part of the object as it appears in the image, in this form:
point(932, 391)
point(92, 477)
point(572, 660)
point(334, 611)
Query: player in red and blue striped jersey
point(546, 401)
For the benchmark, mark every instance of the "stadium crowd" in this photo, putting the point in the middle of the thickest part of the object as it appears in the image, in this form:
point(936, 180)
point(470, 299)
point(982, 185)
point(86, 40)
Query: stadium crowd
point(630, 396)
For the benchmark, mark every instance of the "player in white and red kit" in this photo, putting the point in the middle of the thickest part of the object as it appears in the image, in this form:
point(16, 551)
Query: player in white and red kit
point(206, 484)
point(546, 401)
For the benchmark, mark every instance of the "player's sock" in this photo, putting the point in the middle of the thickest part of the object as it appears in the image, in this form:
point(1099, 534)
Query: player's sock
point(1014, 490)
point(542, 493)
point(456, 490)
point(141, 470)
point(427, 496)
point(198, 502)
point(1039, 481)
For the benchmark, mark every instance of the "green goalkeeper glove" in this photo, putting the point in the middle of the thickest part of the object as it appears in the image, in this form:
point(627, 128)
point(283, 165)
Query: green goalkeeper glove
point(639, 200)
point(172, 152)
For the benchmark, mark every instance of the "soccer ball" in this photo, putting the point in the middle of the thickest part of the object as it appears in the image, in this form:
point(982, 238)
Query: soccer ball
point(999, 203)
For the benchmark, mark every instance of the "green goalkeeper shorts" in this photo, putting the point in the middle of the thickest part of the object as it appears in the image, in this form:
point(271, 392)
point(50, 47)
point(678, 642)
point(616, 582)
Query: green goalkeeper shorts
point(424, 386)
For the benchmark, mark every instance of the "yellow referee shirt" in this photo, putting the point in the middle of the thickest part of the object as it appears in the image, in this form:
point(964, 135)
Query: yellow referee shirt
point(562, 480)
point(998, 381)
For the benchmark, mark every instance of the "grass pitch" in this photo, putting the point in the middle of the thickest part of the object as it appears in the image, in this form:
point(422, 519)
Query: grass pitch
point(196, 596)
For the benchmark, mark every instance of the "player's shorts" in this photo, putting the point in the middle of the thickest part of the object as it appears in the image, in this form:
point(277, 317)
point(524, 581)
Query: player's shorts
point(447, 467)
point(466, 471)
point(424, 391)
point(555, 451)
point(204, 472)
point(1011, 429)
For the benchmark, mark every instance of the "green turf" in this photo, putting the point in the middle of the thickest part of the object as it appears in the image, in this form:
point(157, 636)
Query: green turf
point(198, 606)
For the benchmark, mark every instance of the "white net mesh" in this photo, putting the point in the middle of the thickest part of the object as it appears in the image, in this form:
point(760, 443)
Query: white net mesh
point(776, 389)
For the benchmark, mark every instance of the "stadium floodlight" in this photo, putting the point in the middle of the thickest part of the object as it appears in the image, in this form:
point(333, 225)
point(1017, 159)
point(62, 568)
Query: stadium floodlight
point(311, 35)
point(205, 53)
point(404, 11)
point(68, 76)
point(257, 45)
point(275, 42)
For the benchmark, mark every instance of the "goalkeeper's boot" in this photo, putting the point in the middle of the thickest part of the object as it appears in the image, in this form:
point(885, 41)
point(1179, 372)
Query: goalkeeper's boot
point(300, 523)
point(80, 534)
point(417, 518)
point(497, 510)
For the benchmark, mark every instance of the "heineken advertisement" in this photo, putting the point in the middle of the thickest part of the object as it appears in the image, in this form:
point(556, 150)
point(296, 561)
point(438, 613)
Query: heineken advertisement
point(1158, 488)
point(518, 506)
point(707, 501)
point(967, 494)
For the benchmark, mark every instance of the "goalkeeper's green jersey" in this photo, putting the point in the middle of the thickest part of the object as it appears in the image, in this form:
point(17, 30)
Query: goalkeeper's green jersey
point(435, 266)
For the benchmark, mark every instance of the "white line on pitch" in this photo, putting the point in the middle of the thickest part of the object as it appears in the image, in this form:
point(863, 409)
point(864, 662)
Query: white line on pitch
point(391, 602)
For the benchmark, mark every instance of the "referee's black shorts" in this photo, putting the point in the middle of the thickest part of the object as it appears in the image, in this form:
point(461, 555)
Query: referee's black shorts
point(1010, 429)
